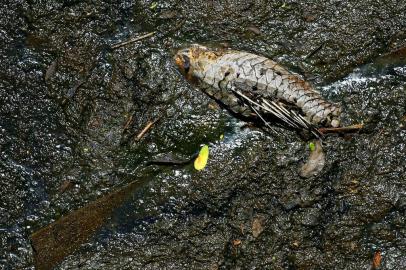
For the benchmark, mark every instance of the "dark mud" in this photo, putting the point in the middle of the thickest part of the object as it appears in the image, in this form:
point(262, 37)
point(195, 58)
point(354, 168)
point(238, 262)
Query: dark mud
point(71, 108)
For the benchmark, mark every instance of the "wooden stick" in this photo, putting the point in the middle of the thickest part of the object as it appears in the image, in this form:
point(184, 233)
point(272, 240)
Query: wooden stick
point(314, 51)
point(145, 129)
point(348, 129)
point(132, 40)
point(128, 122)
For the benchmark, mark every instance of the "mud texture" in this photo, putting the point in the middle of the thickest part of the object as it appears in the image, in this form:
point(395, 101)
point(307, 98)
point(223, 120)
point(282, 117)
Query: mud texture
point(71, 108)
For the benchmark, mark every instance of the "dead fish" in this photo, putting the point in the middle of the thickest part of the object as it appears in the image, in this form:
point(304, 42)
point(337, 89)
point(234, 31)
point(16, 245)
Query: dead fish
point(249, 84)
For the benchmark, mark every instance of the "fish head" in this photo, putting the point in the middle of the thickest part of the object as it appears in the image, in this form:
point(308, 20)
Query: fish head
point(195, 59)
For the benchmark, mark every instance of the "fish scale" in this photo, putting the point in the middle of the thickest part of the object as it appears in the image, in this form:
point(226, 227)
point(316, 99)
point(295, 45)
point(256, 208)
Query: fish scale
point(265, 87)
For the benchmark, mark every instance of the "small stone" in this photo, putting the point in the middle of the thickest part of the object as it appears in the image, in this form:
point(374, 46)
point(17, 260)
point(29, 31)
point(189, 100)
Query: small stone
point(257, 226)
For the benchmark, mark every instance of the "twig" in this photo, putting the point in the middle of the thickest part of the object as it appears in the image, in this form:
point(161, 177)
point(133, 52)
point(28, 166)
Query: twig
point(349, 129)
point(132, 40)
point(314, 51)
point(128, 122)
point(145, 129)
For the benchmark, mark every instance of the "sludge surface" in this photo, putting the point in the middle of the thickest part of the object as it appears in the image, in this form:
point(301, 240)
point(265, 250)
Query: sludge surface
point(63, 142)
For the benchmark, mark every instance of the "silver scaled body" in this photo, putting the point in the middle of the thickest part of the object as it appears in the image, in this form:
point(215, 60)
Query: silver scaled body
point(251, 84)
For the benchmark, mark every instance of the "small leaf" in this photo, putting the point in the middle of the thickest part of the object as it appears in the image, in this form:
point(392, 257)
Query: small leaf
point(201, 160)
point(221, 137)
point(312, 146)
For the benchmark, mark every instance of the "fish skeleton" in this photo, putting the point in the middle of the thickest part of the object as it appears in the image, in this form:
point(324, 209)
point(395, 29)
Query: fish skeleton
point(250, 84)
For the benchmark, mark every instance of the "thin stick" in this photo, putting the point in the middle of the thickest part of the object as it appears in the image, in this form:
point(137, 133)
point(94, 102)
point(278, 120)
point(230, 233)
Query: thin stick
point(127, 124)
point(314, 51)
point(349, 129)
point(263, 120)
point(145, 129)
point(132, 40)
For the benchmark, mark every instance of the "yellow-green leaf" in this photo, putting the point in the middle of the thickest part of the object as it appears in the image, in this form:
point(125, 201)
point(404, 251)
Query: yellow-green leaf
point(201, 160)
point(221, 137)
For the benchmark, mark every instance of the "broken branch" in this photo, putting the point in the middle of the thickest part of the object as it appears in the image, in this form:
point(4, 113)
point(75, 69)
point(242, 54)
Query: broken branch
point(348, 129)
point(132, 40)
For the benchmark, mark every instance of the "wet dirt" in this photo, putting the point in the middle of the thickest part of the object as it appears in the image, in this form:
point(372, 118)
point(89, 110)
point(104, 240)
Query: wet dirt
point(71, 108)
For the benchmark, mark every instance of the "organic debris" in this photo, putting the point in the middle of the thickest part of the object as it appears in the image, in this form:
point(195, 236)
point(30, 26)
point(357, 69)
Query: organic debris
point(145, 129)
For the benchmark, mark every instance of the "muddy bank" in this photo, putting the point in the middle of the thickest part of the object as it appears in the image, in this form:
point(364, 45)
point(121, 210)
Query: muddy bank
point(71, 108)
